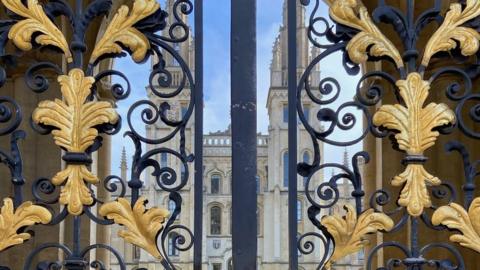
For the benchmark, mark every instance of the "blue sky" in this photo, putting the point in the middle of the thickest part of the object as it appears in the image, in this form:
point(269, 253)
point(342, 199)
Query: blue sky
point(217, 73)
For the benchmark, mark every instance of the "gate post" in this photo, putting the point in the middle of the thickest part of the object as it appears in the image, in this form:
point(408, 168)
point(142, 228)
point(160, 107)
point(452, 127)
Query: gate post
point(244, 134)
point(198, 144)
point(292, 134)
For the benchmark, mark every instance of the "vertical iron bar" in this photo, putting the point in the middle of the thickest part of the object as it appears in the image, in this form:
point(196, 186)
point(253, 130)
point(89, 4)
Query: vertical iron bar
point(414, 248)
point(292, 134)
point(198, 177)
point(76, 235)
point(77, 45)
point(18, 194)
point(244, 133)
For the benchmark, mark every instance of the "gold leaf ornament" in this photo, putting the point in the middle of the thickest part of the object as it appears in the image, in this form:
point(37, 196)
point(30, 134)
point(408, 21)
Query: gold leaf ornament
point(75, 120)
point(12, 220)
point(142, 226)
point(348, 232)
point(120, 31)
point(455, 217)
point(36, 21)
point(452, 32)
point(415, 125)
point(370, 40)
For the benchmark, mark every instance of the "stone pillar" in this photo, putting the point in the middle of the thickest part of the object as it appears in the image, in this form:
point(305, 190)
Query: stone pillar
point(40, 156)
point(104, 170)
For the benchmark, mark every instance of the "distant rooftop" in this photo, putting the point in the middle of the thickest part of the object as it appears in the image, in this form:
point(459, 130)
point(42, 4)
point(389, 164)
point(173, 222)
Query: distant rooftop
point(223, 138)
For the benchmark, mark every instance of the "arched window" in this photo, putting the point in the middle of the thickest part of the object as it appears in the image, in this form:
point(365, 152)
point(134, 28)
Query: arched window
point(306, 159)
point(306, 112)
point(182, 171)
point(172, 251)
point(171, 207)
point(163, 160)
point(285, 169)
point(257, 179)
point(215, 184)
point(136, 253)
point(176, 47)
point(299, 210)
point(215, 220)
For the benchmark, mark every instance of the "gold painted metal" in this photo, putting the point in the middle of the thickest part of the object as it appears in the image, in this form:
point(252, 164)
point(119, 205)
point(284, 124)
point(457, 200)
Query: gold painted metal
point(142, 225)
point(36, 21)
point(348, 232)
point(11, 221)
point(452, 32)
point(415, 124)
point(75, 119)
point(455, 217)
point(370, 40)
point(120, 31)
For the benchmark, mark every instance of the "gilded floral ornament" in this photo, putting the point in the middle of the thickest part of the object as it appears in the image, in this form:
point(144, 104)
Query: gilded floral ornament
point(75, 119)
point(348, 232)
point(36, 21)
point(370, 40)
point(12, 220)
point(455, 217)
point(143, 226)
point(452, 32)
point(120, 31)
point(415, 125)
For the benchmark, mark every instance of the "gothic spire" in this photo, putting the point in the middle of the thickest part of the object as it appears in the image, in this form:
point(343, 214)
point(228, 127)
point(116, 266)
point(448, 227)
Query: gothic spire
point(123, 165)
point(346, 159)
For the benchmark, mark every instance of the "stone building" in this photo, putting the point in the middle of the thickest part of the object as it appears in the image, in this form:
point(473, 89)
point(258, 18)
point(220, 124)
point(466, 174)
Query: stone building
point(272, 179)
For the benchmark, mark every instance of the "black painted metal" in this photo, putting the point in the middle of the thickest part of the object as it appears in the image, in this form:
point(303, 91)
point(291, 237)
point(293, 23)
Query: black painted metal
point(332, 39)
point(244, 134)
point(198, 178)
point(80, 15)
point(292, 134)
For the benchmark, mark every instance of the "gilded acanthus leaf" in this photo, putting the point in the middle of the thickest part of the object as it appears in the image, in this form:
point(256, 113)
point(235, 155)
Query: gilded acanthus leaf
point(75, 194)
point(455, 217)
point(348, 233)
point(370, 40)
point(142, 226)
point(452, 32)
point(75, 119)
point(415, 125)
point(11, 221)
point(414, 194)
point(36, 21)
point(120, 31)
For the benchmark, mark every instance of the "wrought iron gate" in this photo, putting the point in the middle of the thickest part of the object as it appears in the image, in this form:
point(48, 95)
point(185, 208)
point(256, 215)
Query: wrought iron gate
point(394, 96)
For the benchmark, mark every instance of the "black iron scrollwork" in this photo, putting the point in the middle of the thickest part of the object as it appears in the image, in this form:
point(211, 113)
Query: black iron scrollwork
point(148, 37)
point(354, 35)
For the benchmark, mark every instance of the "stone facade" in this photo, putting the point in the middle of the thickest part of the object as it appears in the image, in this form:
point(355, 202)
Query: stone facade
point(272, 183)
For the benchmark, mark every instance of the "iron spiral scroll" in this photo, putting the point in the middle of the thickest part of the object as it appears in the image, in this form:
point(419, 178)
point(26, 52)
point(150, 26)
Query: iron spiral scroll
point(134, 30)
point(354, 33)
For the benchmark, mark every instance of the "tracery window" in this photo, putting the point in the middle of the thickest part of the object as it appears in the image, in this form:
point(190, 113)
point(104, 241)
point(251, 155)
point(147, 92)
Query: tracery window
point(215, 220)
point(285, 169)
point(306, 159)
point(172, 251)
point(215, 184)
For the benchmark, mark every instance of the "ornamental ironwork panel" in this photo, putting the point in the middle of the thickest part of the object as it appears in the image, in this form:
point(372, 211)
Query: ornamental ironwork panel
point(80, 117)
point(405, 68)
